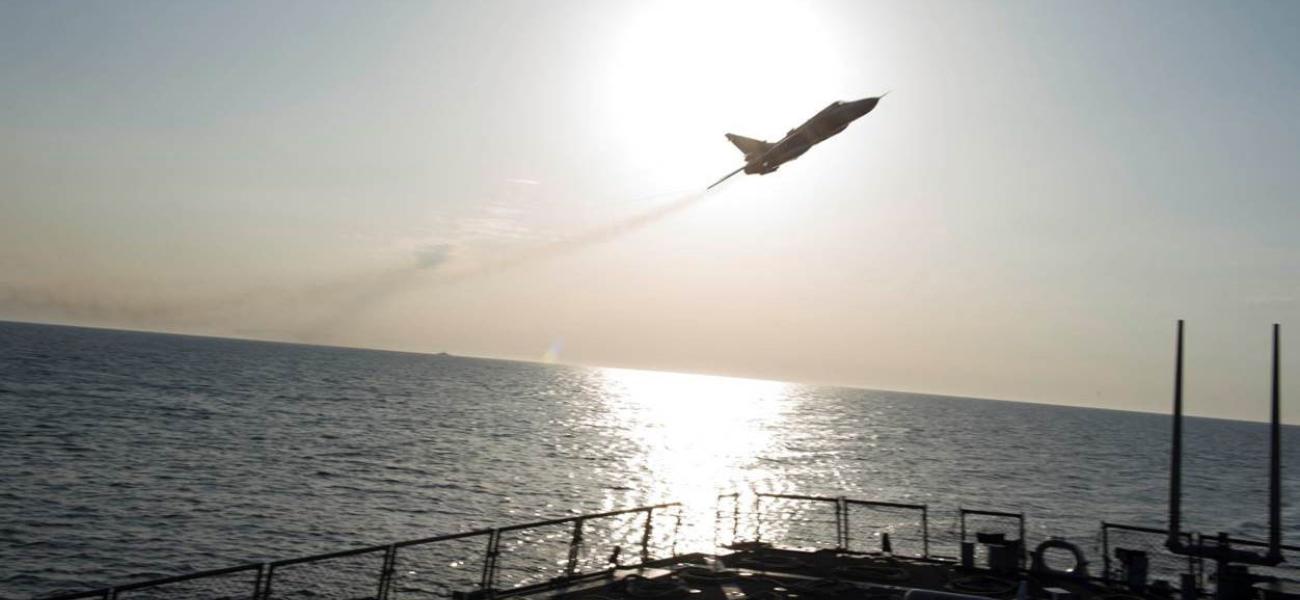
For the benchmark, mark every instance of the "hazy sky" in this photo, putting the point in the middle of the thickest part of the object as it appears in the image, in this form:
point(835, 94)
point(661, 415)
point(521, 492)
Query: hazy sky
point(1046, 189)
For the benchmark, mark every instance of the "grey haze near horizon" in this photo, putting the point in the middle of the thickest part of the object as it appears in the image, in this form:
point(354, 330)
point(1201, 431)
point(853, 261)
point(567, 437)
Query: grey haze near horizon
point(1048, 187)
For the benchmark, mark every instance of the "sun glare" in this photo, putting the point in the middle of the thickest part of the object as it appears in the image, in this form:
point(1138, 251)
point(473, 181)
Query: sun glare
point(703, 435)
point(679, 66)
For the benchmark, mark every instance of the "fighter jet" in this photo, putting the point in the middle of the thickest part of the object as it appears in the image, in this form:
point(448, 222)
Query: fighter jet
point(764, 157)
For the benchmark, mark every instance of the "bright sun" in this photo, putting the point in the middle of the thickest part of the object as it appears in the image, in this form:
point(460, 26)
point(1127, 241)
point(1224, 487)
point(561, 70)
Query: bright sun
point(680, 68)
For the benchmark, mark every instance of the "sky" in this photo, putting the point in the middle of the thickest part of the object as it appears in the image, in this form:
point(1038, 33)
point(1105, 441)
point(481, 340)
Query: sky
point(1047, 188)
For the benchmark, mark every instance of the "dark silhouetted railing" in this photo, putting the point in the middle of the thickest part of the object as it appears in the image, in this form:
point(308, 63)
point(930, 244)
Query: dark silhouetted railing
point(522, 559)
point(490, 563)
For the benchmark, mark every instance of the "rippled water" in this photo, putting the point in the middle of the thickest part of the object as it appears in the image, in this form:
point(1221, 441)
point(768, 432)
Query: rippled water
point(127, 455)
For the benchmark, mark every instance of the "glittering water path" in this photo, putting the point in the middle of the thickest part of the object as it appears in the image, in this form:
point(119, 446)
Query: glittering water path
point(129, 455)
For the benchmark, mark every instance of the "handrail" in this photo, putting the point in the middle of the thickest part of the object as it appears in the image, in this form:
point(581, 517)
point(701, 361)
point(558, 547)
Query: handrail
point(261, 587)
point(491, 566)
point(1259, 544)
point(888, 504)
point(925, 519)
point(992, 513)
point(797, 497)
point(841, 515)
point(1023, 554)
point(612, 513)
point(1109, 525)
point(443, 538)
point(315, 557)
point(1193, 563)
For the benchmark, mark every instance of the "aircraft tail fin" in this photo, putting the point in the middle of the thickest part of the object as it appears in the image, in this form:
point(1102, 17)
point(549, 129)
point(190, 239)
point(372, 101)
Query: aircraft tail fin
point(751, 147)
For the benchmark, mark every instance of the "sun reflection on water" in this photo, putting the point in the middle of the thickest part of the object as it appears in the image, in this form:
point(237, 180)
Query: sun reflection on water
point(699, 436)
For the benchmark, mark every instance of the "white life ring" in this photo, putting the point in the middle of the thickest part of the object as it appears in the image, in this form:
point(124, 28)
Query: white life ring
point(1080, 568)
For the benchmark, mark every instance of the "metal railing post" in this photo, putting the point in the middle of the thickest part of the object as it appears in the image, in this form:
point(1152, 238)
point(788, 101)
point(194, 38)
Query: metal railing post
point(257, 583)
point(1024, 543)
point(961, 511)
point(575, 544)
point(841, 523)
point(488, 580)
point(1105, 551)
point(677, 528)
point(645, 536)
point(270, 576)
point(925, 532)
point(735, 524)
point(717, 521)
point(386, 572)
point(1194, 563)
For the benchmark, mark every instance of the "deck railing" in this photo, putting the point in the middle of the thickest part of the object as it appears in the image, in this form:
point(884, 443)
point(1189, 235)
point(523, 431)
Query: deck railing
point(488, 563)
point(520, 559)
point(1012, 525)
point(822, 522)
point(1162, 564)
point(815, 522)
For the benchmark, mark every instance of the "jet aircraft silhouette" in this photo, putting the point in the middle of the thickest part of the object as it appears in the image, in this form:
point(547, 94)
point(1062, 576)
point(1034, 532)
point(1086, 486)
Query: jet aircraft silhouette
point(764, 157)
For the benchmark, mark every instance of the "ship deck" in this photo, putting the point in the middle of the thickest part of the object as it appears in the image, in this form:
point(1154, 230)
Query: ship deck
point(766, 547)
point(760, 572)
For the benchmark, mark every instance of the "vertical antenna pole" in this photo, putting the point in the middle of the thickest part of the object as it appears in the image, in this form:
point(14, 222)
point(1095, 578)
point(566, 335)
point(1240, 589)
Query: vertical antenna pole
point(1176, 455)
point(1275, 456)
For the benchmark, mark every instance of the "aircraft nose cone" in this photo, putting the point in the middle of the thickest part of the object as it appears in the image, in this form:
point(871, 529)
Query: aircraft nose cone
point(865, 105)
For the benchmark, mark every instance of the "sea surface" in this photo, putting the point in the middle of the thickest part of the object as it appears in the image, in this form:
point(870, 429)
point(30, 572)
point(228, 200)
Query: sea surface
point(126, 455)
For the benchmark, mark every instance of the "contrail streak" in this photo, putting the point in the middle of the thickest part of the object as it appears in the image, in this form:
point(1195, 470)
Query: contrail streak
point(579, 241)
point(396, 282)
point(321, 310)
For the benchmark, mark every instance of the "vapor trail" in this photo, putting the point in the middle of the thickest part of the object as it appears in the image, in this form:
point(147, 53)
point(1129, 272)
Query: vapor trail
point(399, 281)
point(321, 310)
point(578, 241)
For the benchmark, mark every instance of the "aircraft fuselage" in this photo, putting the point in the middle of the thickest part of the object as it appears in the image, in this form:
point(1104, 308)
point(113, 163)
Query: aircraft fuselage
point(830, 121)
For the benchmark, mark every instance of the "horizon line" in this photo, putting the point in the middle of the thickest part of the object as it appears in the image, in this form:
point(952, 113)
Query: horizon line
point(846, 386)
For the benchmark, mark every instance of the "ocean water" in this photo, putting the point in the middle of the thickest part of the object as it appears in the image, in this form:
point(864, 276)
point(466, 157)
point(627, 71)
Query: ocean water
point(129, 455)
